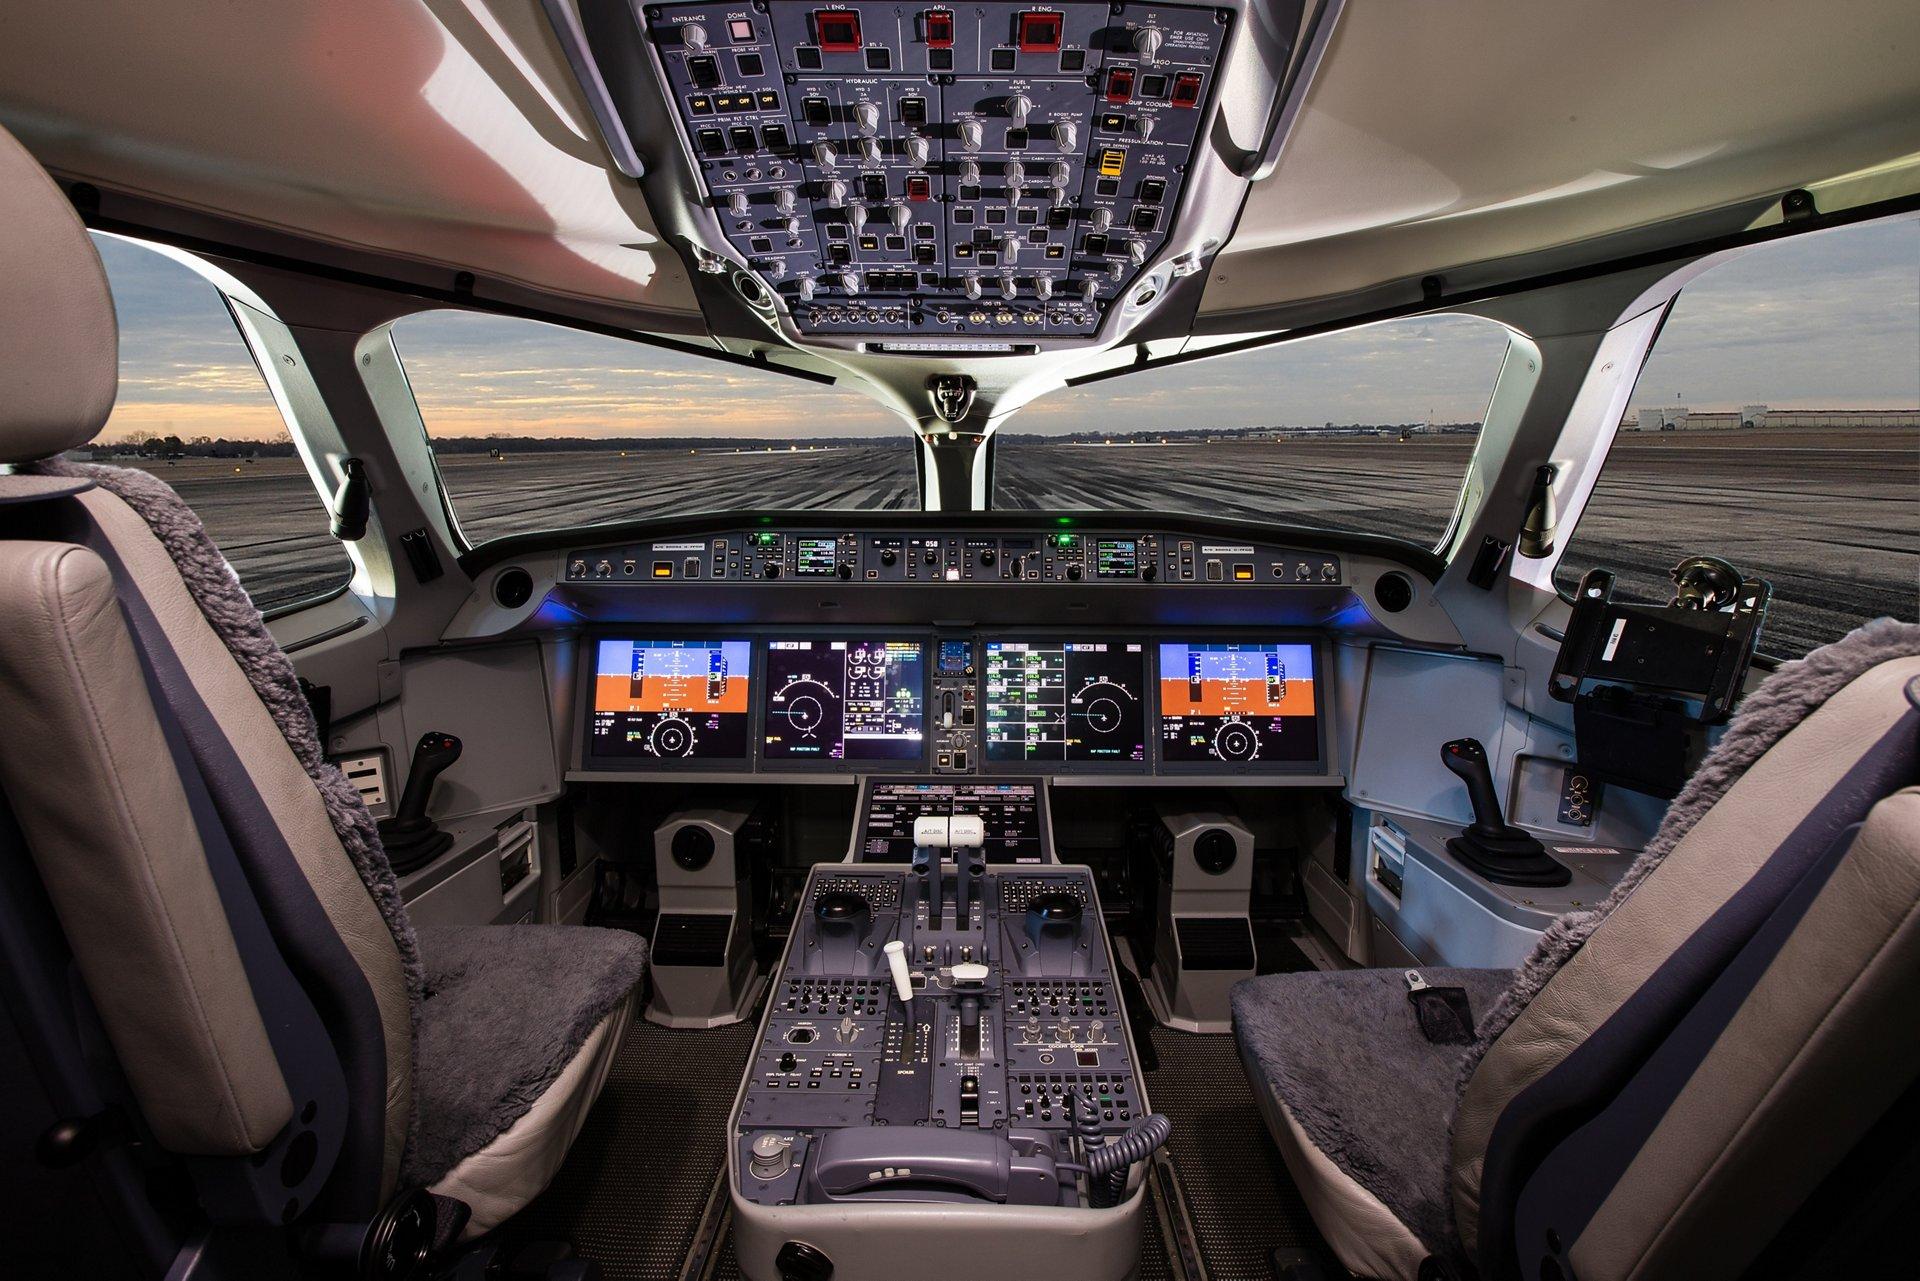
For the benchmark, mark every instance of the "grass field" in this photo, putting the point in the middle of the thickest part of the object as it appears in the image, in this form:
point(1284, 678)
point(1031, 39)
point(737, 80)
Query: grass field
point(1832, 519)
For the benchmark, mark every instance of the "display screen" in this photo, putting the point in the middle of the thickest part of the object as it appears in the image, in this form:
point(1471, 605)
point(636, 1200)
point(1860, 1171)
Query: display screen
point(1010, 813)
point(1238, 702)
point(1072, 702)
point(1116, 558)
point(845, 700)
point(816, 557)
point(661, 700)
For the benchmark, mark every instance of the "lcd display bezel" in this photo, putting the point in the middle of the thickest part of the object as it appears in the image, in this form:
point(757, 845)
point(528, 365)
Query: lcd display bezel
point(1149, 702)
point(763, 643)
point(1314, 641)
point(590, 667)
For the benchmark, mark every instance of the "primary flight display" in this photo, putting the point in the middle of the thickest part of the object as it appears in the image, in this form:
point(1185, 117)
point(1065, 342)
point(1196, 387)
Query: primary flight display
point(668, 700)
point(845, 700)
point(1241, 702)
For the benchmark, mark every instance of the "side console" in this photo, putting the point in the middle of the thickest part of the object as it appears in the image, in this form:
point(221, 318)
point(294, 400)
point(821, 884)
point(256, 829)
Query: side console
point(944, 1075)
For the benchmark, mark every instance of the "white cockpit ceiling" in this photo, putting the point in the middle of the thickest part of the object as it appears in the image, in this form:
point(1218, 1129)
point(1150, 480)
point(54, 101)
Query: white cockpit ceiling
point(1439, 133)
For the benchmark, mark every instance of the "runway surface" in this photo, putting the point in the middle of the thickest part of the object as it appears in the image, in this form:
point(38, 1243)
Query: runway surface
point(1833, 520)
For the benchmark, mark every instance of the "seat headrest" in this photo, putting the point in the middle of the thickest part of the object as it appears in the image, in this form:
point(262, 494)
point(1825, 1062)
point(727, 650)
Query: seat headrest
point(59, 342)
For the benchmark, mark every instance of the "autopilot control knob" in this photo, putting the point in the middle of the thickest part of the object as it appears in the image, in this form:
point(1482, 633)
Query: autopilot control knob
point(693, 36)
point(1150, 571)
point(771, 571)
point(988, 555)
point(845, 571)
point(783, 201)
point(1066, 135)
point(888, 556)
point(866, 118)
point(1073, 572)
point(899, 215)
point(1016, 177)
point(932, 557)
point(1101, 218)
point(972, 287)
point(918, 149)
point(969, 173)
point(870, 152)
point(737, 204)
point(857, 216)
point(1148, 41)
point(836, 193)
point(972, 134)
point(1009, 287)
point(1019, 107)
point(850, 281)
point(824, 155)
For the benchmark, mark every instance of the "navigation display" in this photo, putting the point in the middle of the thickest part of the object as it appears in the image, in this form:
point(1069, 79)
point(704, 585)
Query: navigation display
point(845, 700)
point(1009, 811)
point(1238, 702)
point(1071, 702)
point(670, 700)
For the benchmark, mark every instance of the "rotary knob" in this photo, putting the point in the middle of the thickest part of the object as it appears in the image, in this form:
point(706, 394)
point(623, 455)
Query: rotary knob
point(1073, 571)
point(870, 151)
point(1009, 287)
point(1066, 134)
point(972, 134)
point(806, 288)
point(1019, 107)
point(917, 150)
point(1148, 41)
point(772, 1155)
point(1089, 289)
point(866, 118)
point(1101, 218)
point(1137, 250)
point(693, 36)
point(1145, 126)
point(1043, 287)
point(850, 281)
point(836, 194)
point(1009, 249)
point(1060, 173)
point(1016, 176)
point(824, 155)
point(772, 268)
point(1116, 271)
point(988, 555)
point(857, 216)
point(737, 204)
point(899, 215)
point(1059, 197)
point(969, 173)
point(972, 287)
point(783, 201)
point(790, 225)
point(888, 555)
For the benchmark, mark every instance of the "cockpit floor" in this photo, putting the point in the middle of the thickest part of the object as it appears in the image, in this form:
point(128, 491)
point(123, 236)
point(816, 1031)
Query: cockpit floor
point(634, 1190)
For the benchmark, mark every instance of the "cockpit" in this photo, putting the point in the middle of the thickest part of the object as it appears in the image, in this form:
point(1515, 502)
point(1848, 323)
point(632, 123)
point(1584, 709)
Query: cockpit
point(826, 640)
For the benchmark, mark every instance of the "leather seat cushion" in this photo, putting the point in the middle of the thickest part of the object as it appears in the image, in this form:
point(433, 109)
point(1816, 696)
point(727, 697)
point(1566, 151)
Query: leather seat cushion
point(507, 1010)
point(1340, 1055)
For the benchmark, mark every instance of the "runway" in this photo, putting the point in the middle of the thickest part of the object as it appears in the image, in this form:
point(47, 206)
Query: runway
point(1833, 520)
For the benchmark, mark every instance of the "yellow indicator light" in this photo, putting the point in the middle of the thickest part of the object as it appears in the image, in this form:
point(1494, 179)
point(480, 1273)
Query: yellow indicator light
point(1243, 573)
point(1113, 162)
point(663, 569)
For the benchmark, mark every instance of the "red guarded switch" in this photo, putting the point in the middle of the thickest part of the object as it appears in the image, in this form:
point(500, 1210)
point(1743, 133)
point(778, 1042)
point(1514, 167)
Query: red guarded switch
point(837, 30)
point(1040, 32)
point(937, 24)
point(1186, 89)
point(1119, 84)
point(919, 187)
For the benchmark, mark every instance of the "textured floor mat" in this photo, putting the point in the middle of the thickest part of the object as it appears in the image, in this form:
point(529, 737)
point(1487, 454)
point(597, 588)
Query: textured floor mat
point(1242, 1202)
point(631, 1192)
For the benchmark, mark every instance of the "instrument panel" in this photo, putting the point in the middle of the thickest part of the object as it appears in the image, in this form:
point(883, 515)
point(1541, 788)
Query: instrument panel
point(948, 703)
point(1000, 169)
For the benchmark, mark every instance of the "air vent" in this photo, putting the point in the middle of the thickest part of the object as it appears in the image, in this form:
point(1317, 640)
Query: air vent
point(368, 774)
point(1387, 857)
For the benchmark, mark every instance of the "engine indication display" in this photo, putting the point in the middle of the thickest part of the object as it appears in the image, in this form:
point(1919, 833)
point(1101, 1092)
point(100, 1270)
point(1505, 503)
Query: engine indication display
point(670, 700)
point(1070, 702)
point(1248, 703)
point(845, 700)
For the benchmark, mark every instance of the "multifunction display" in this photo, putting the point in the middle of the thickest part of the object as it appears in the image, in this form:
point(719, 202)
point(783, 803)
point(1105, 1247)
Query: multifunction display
point(1010, 812)
point(1066, 702)
point(845, 700)
point(668, 700)
point(1238, 702)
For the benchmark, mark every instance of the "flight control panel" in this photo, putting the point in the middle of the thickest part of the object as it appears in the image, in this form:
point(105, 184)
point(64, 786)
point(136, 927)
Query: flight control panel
point(997, 169)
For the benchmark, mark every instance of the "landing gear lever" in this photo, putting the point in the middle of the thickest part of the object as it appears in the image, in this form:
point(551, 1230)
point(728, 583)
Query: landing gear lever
point(1490, 846)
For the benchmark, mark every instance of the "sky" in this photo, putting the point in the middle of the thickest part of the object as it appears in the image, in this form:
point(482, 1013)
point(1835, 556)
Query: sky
point(1823, 321)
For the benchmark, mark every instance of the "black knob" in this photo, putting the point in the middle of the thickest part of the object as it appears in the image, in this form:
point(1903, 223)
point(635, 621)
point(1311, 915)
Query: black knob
point(771, 571)
point(798, 1261)
point(787, 1061)
point(988, 555)
point(1149, 571)
point(1073, 572)
point(845, 571)
point(888, 556)
point(933, 556)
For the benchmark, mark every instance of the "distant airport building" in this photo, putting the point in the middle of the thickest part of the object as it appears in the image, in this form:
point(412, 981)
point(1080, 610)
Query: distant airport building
point(1652, 418)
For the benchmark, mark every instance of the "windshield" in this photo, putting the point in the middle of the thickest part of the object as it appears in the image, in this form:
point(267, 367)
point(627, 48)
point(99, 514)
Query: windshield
point(1364, 431)
point(534, 426)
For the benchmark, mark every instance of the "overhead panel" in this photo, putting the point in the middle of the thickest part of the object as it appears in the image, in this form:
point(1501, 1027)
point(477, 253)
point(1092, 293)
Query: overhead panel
point(1006, 170)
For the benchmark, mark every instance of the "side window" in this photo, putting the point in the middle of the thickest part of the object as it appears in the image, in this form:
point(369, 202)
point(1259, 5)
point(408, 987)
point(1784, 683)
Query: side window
point(194, 410)
point(1777, 424)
